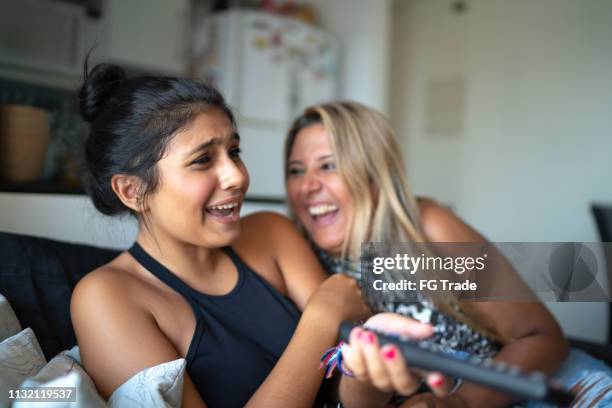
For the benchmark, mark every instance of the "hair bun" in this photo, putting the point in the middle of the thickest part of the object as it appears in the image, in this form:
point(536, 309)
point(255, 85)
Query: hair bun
point(98, 86)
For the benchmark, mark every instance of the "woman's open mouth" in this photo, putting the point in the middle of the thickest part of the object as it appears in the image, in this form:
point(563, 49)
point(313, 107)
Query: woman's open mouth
point(225, 213)
point(323, 214)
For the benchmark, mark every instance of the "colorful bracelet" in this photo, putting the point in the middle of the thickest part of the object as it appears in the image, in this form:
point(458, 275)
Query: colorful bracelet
point(332, 359)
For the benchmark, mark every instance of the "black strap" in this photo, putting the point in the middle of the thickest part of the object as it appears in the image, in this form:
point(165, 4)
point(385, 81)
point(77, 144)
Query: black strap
point(160, 271)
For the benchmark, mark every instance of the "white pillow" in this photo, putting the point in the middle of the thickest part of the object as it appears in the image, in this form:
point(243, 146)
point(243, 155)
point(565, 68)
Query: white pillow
point(159, 386)
point(20, 358)
point(64, 371)
point(9, 325)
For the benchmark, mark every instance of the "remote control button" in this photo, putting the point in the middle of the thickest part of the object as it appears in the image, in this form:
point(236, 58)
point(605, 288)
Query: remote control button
point(514, 370)
point(424, 344)
point(537, 376)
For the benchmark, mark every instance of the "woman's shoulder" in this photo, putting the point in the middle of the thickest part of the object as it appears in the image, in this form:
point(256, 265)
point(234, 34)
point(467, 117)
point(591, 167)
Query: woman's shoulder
point(270, 219)
point(258, 244)
point(441, 224)
point(113, 282)
point(111, 310)
point(273, 226)
point(271, 244)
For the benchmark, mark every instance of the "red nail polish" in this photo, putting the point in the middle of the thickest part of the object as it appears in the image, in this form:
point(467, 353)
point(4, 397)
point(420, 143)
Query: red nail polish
point(366, 337)
point(389, 354)
point(437, 382)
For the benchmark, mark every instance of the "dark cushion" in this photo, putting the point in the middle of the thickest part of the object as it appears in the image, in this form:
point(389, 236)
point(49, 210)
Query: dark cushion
point(37, 276)
point(598, 350)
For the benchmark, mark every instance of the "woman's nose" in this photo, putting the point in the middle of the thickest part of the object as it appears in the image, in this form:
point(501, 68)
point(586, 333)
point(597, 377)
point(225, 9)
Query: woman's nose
point(311, 183)
point(233, 175)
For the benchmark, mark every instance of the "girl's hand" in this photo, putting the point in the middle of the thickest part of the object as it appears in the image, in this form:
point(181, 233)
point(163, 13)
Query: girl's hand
point(385, 367)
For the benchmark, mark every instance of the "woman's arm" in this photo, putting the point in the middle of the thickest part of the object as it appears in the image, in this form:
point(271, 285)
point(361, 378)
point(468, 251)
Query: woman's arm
point(325, 302)
point(116, 337)
point(538, 342)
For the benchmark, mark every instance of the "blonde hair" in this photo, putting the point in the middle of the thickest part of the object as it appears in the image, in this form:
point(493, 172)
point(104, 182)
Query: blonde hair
point(369, 160)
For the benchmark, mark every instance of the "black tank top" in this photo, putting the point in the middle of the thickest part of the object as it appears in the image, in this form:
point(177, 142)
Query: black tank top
point(238, 337)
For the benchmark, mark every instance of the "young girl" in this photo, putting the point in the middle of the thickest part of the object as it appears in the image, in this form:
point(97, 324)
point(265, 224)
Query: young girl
point(236, 297)
point(346, 185)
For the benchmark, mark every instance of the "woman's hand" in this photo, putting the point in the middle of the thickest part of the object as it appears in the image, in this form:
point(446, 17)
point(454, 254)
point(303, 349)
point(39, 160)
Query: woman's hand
point(338, 298)
point(385, 367)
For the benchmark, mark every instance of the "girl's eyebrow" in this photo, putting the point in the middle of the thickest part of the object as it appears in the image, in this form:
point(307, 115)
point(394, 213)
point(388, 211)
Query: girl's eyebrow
point(213, 141)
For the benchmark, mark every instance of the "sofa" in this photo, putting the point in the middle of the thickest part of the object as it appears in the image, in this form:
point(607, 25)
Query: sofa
point(38, 344)
point(37, 276)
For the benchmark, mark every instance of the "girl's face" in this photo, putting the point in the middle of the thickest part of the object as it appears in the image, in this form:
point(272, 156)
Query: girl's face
point(202, 182)
point(318, 194)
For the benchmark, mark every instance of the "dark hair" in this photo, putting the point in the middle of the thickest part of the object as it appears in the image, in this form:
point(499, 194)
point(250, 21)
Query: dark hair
point(132, 122)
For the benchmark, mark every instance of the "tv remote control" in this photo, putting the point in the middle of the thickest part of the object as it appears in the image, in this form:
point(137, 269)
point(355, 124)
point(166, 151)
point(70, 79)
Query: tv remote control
point(496, 375)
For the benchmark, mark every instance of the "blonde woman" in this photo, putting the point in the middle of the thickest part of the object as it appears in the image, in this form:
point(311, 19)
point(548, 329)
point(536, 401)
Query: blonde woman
point(346, 184)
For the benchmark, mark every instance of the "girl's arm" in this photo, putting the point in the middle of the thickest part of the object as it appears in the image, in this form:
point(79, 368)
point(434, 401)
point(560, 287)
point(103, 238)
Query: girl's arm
point(325, 302)
point(116, 337)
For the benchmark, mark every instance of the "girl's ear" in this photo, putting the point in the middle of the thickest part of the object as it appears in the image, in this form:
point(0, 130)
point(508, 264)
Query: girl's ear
point(128, 188)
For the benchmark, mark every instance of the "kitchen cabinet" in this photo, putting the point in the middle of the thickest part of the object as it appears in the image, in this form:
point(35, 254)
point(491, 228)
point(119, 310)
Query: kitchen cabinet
point(149, 36)
point(37, 34)
point(269, 68)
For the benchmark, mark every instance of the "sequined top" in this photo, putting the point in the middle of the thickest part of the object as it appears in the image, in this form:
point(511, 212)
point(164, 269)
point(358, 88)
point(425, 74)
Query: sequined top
point(450, 335)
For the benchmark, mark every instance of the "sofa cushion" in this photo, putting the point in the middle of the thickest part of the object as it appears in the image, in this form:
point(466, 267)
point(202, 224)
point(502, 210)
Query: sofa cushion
point(9, 325)
point(37, 276)
point(160, 386)
point(20, 358)
point(64, 371)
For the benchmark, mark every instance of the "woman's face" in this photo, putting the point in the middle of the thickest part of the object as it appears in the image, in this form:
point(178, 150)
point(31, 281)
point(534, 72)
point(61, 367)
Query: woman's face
point(202, 182)
point(318, 194)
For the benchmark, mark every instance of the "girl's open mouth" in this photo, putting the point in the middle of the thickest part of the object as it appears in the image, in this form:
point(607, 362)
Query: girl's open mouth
point(225, 213)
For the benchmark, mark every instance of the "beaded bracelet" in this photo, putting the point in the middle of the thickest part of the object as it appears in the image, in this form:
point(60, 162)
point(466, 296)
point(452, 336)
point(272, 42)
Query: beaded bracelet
point(332, 359)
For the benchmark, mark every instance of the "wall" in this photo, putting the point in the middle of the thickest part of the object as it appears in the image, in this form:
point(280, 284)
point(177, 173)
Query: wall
point(534, 148)
point(73, 218)
point(364, 77)
point(364, 30)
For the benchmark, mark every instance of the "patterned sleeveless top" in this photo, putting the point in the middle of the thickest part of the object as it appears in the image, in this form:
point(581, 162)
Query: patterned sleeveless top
point(450, 335)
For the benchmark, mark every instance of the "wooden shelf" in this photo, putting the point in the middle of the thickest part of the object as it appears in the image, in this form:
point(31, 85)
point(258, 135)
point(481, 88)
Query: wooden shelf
point(41, 187)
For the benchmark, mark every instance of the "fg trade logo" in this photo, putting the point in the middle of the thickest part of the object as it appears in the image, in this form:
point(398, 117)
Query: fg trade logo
point(572, 273)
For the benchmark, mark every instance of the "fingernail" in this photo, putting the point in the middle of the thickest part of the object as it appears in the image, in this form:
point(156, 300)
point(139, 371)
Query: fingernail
point(369, 338)
point(389, 354)
point(437, 382)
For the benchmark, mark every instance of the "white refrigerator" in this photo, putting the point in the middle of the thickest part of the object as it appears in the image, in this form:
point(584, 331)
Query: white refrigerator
point(269, 68)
